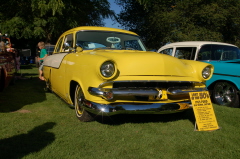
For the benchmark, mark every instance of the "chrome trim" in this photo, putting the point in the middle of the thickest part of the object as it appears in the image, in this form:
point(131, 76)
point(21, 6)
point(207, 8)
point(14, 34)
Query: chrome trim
point(176, 91)
point(135, 108)
point(226, 75)
point(117, 92)
point(123, 92)
point(145, 81)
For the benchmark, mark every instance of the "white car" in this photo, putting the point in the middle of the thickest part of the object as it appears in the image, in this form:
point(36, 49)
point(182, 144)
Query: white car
point(225, 82)
point(195, 50)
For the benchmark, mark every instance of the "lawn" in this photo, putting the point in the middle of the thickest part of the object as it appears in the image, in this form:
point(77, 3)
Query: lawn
point(38, 124)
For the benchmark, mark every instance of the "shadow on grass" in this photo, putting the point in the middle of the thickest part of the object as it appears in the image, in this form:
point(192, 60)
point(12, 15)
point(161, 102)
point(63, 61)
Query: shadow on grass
point(24, 91)
point(146, 118)
point(21, 145)
point(25, 75)
point(26, 66)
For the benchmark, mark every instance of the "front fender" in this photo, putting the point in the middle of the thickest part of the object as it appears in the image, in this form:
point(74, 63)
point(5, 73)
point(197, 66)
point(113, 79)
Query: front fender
point(84, 71)
point(197, 67)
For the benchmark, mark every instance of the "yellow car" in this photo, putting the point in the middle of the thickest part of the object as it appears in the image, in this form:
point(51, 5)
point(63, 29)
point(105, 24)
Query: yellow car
point(107, 71)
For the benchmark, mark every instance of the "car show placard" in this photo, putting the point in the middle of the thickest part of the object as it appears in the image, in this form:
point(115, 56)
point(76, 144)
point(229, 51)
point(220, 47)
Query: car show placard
point(203, 111)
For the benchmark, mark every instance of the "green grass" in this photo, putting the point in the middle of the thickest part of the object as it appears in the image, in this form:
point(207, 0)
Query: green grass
point(37, 124)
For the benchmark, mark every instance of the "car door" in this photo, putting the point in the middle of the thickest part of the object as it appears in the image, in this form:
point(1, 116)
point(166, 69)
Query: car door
point(58, 74)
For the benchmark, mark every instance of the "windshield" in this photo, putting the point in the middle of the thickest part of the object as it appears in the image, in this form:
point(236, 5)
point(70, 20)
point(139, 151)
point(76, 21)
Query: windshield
point(218, 52)
point(89, 40)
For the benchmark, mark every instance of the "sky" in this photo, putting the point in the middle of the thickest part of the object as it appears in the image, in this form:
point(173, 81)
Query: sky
point(109, 22)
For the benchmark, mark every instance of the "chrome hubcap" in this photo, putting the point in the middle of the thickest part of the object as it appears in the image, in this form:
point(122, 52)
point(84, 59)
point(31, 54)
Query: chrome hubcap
point(224, 93)
point(79, 101)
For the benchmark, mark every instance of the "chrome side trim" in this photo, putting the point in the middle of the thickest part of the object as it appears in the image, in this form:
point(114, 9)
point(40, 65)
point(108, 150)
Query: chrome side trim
point(225, 75)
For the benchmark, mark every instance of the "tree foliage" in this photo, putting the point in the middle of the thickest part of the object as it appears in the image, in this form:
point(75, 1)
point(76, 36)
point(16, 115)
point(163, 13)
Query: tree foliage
point(163, 21)
point(47, 19)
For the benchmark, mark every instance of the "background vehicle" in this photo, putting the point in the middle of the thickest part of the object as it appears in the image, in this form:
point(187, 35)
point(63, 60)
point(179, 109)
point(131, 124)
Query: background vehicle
point(7, 61)
point(49, 48)
point(225, 82)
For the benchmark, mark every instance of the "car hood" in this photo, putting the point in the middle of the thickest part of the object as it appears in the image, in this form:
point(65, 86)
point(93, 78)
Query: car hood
point(142, 63)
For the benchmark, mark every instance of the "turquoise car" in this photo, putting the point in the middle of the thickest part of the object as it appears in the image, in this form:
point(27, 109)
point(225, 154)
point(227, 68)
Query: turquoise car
point(224, 85)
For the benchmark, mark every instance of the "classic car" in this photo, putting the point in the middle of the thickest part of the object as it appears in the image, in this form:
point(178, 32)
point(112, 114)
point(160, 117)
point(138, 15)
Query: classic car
point(107, 71)
point(224, 85)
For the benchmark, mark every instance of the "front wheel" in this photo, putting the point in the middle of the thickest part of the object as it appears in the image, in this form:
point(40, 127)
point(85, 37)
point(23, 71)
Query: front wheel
point(226, 94)
point(79, 100)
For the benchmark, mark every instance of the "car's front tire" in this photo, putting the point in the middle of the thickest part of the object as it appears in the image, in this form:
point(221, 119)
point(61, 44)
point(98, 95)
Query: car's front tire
point(79, 99)
point(226, 94)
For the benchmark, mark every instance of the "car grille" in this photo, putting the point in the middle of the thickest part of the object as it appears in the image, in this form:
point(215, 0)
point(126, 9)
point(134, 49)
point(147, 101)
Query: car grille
point(144, 85)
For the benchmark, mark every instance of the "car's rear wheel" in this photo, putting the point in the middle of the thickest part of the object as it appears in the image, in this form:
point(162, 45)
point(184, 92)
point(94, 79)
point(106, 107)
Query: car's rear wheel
point(226, 94)
point(79, 100)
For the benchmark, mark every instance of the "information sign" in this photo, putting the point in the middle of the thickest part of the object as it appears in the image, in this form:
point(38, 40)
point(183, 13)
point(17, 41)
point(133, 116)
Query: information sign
point(203, 111)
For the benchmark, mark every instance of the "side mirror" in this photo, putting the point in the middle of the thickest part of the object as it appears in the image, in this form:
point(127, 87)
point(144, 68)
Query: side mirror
point(66, 44)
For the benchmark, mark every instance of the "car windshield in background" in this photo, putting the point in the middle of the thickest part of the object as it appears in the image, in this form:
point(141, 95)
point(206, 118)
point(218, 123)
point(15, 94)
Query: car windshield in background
point(218, 52)
point(89, 40)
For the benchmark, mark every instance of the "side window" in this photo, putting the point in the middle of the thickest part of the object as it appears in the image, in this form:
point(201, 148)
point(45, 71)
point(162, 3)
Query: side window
point(224, 52)
point(205, 53)
point(218, 52)
point(67, 43)
point(185, 53)
point(58, 46)
point(168, 51)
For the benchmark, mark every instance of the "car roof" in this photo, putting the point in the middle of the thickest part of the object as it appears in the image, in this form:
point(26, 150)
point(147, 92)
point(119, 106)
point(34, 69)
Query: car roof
point(98, 28)
point(195, 43)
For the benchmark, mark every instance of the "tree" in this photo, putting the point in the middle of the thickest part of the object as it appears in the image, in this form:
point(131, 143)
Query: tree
point(47, 19)
point(163, 21)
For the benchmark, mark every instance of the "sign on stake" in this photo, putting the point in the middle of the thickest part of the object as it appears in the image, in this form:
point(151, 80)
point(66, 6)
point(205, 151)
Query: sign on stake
point(203, 111)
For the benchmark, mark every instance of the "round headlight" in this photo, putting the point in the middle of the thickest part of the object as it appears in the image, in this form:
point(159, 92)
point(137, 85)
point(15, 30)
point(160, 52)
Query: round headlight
point(206, 72)
point(107, 69)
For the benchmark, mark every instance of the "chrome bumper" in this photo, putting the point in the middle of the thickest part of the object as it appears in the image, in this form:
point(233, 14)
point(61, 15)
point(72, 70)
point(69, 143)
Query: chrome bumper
point(140, 108)
point(136, 108)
